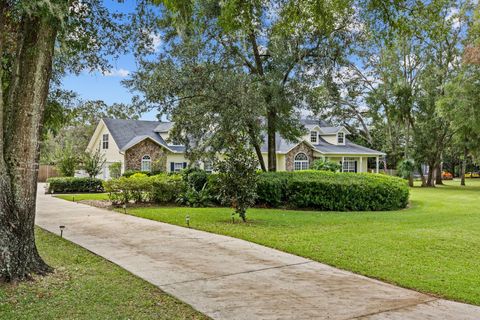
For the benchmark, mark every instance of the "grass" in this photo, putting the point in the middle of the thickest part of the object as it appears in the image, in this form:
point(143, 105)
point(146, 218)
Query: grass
point(433, 246)
point(85, 286)
point(83, 196)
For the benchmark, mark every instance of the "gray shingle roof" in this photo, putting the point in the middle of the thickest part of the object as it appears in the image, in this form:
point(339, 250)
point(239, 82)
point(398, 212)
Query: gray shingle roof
point(349, 148)
point(127, 133)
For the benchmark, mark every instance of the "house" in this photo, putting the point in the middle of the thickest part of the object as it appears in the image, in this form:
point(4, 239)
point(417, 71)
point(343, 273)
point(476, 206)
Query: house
point(142, 145)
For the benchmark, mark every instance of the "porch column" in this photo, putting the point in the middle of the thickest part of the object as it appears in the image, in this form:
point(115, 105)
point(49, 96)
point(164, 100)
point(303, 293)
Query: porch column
point(376, 167)
point(343, 160)
point(361, 165)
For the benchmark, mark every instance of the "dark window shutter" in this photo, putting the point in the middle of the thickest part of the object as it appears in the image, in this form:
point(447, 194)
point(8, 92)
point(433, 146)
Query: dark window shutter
point(356, 166)
point(172, 167)
point(184, 165)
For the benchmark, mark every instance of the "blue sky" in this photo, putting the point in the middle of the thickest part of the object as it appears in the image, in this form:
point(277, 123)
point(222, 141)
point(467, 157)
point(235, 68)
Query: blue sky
point(95, 86)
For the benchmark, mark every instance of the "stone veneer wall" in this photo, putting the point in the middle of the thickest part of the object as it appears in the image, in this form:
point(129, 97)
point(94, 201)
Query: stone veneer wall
point(290, 156)
point(134, 155)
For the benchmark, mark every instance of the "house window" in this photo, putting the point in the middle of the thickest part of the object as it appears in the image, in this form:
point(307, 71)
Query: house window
point(146, 164)
point(177, 166)
point(300, 162)
point(208, 166)
point(105, 141)
point(341, 138)
point(349, 165)
point(313, 136)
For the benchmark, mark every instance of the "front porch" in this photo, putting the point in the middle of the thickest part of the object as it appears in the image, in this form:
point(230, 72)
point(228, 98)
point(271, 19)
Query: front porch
point(354, 163)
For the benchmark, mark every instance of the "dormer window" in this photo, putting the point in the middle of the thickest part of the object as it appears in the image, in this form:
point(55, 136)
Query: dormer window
point(341, 138)
point(313, 136)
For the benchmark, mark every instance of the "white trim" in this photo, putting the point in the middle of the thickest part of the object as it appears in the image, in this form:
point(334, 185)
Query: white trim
point(149, 161)
point(301, 162)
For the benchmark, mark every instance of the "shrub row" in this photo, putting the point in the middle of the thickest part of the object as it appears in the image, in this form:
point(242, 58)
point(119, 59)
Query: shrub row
point(139, 187)
point(71, 184)
point(319, 190)
point(333, 191)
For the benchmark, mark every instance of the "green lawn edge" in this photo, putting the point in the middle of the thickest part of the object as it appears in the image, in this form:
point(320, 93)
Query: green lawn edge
point(430, 247)
point(86, 286)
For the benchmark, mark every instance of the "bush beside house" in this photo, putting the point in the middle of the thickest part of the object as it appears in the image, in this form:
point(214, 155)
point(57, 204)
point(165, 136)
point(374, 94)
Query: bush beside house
point(320, 190)
point(71, 185)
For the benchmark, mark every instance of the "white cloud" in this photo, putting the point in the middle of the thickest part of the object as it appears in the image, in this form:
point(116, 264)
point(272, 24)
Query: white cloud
point(122, 73)
point(156, 41)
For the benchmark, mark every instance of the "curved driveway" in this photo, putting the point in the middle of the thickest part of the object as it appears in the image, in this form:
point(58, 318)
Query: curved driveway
point(227, 278)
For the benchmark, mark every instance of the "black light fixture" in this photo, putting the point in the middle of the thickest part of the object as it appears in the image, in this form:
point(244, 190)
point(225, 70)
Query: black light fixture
point(125, 208)
point(187, 220)
point(61, 231)
point(233, 217)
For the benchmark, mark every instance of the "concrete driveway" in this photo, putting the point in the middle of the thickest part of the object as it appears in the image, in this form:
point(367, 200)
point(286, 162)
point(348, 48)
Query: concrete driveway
point(227, 278)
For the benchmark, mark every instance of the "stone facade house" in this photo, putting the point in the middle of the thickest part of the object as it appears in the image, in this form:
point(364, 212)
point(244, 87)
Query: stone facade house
point(145, 146)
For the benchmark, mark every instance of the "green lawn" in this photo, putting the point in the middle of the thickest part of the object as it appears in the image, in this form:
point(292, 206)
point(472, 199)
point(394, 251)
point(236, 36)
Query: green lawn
point(85, 286)
point(433, 246)
point(83, 196)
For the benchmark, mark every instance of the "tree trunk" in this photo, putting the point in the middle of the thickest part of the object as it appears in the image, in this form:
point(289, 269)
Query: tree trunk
point(424, 182)
point(463, 167)
point(410, 180)
point(271, 133)
point(438, 172)
point(430, 176)
point(257, 147)
point(23, 109)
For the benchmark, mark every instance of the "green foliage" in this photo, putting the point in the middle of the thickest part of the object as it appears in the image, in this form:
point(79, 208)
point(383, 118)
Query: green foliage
point(115, 170)
point(70, 184)
point(93, 163)
point(66, 161)
point(238, 179)
point(324, 190)
point(195, 193)
point(406, 168)
point(139, 187)
point(327, 165)
point(166, 188)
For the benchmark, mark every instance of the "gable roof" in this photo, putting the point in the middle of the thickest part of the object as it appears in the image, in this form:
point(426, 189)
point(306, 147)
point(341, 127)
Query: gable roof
point(128, 133)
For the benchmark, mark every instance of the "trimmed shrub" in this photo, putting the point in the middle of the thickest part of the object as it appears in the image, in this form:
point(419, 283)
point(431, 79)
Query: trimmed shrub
point(139, 187)
point(71, 184)
point(166, 188)
point(324, 190)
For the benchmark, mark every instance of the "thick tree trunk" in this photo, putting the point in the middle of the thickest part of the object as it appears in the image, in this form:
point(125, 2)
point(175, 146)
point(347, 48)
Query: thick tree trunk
point(271, 131)
point(438, 173)
point(23, 110)
point(430, 176)
point(424, 182)
point(410, 180)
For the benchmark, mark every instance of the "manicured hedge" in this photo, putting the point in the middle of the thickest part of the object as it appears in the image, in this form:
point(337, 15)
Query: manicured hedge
point(139, 187)
point(333, 191)
point(70, 184)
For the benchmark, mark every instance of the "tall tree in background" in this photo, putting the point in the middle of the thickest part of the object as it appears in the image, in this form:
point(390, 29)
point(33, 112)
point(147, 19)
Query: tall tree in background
point(31, 33)
point(268, 53)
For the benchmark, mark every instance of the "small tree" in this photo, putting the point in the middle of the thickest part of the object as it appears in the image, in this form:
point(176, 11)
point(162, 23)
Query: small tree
point(238, 178)
point(67, 161)
point(115, 170)
point(406, 168)
point(325, 165)
point(93, 163)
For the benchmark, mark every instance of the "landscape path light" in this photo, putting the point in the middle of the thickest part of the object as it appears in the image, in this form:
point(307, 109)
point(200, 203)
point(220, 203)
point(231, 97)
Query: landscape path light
point(61, 231)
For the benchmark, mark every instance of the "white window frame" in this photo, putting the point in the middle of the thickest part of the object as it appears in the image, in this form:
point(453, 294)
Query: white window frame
point(146, 163)
point(348, 164)
point(301, 164)
point(341, 136)
point(105, 138)
point(177, 166)
point(313, 136)
point(208, 166)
